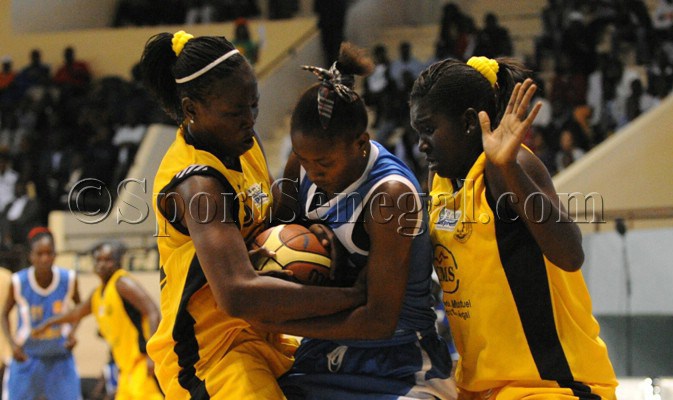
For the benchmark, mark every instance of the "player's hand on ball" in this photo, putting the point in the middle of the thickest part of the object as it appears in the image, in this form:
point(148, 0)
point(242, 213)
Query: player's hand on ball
point(256, 254)
point(262, 252)
point(332, 244)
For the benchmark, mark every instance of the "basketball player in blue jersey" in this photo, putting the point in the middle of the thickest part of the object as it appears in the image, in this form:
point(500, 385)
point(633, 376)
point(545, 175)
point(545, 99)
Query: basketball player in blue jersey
point(366, 201)
point(42, 365)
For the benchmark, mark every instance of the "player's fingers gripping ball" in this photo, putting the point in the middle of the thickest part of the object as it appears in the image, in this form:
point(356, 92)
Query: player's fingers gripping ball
point(297, 250)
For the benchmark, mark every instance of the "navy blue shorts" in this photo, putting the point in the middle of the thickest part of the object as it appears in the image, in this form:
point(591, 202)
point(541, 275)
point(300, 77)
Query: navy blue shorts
point(416, 369)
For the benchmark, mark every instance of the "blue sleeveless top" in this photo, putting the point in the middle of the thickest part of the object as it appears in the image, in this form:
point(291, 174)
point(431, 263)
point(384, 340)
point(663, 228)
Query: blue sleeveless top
point(344, 215)
point(35, 304)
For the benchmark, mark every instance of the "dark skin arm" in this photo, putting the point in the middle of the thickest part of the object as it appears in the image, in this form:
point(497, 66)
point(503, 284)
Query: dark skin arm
point(232, 278)
point(17, 351)
point(71, 340)
point(132, 292)
point(73, 316)
point(512, 169)
point(391, 220)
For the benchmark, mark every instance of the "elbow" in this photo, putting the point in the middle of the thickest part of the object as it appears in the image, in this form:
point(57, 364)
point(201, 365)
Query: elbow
point(571, 261)
point(230, 303)
point(576, 261)
point(236, 303)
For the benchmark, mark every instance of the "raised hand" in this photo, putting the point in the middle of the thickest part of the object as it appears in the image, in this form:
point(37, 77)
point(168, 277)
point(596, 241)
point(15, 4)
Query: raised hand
point(502, 145)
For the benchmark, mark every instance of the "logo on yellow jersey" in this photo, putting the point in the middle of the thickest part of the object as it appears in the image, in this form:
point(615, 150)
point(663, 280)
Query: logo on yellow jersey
point(451, 221)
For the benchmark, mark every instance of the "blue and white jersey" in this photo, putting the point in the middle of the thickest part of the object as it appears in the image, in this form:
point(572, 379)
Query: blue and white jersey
point(35, 304)
point(344, 215)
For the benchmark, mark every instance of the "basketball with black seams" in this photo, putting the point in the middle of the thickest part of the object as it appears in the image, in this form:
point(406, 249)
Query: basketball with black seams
point(298, 250)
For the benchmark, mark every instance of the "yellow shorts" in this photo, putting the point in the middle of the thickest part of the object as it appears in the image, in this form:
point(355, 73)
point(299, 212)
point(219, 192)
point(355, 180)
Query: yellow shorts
point(136, 384)
point(538, 390)
point(247, 371)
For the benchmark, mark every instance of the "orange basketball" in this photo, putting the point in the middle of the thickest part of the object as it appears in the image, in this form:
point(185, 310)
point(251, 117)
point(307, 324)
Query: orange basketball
point(298, 250)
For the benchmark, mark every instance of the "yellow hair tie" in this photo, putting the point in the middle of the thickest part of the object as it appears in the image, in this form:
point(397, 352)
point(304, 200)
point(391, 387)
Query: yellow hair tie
point(487, 67)
point(179, 40)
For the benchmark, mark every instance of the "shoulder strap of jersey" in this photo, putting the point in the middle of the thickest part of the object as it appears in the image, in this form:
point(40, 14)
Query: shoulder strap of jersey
point(186, 173)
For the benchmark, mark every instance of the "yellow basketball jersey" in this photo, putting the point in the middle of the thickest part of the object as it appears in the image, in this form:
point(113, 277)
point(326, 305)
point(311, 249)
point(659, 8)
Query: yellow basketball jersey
point(514, 315)
point(120, 323)
point(194, 335)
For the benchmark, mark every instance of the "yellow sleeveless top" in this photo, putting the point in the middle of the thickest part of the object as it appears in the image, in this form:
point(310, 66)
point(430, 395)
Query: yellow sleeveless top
point(194, 334)
point(120, 323)
point(513, 314)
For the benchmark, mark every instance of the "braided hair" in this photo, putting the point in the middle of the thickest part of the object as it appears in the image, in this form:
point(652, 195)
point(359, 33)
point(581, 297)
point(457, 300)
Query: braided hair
point(160, 67)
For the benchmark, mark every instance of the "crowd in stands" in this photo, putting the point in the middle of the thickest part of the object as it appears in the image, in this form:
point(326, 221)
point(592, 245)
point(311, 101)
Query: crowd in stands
point(598, 64)
point(58, 127)
point(174, 12)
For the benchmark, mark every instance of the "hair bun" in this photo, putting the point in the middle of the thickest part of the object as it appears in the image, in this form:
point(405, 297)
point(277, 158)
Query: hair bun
point(180, 38)
point(487, 67)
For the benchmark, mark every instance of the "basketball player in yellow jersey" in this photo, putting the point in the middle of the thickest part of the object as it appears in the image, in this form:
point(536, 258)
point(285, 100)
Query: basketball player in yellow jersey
point(517, 304)
point(213, 195)
point(126, 317)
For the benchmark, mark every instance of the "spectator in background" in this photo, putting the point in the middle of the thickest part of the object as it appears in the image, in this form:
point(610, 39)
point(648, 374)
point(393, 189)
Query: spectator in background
point(660, 75)
point(19, 217)
point(200, 12)
point(74, 75)
point(8, 178)
point(331, 21)
point(243, 41)
point(34, 74)
point(7, 98)
point(662, 20)
point(568, 152)
point(378, 84)
point(493, 39)
point(133, 13)
point(450, 29)
point(549, 41)
point(639, 101)
point(543, 151)
point(406, 62)
point(579, 124)
point(280, 9)
point(7, 75)
point(569, 86)
point(467, 38)
point(576, 47)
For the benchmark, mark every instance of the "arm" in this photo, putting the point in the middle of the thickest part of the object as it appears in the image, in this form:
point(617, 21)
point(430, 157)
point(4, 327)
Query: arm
point(71, 340)
point(73, 317)
point(17, 351)
point(511, 169)
point(131, 291)
point(392, 222)
point(228, 270)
